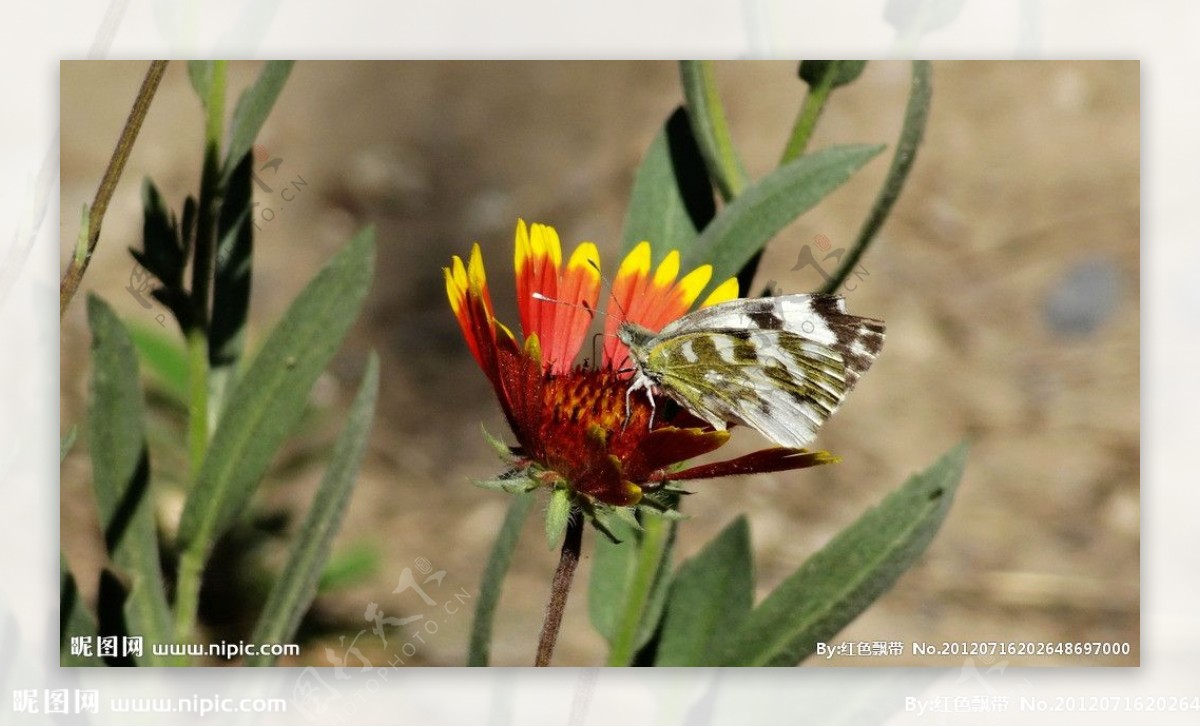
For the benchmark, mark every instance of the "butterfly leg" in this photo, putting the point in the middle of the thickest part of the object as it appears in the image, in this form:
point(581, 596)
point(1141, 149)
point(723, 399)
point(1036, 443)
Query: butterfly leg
point(641, 382)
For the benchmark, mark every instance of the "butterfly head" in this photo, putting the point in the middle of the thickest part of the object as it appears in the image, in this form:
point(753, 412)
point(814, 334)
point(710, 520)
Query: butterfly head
point(635, 337)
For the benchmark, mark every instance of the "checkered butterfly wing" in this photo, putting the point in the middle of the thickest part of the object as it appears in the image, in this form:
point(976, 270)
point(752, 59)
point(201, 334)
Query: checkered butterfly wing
point(779, 365)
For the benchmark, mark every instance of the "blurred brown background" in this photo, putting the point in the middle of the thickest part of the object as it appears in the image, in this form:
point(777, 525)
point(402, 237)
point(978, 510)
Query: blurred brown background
point(1008, 275)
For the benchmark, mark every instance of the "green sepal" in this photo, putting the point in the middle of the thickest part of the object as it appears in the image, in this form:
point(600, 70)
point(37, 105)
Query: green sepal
point(502, 450)
point(513, 482)
point(605, 518)
point(557, 515)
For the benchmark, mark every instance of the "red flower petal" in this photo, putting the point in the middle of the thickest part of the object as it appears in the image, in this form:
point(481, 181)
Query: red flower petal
point(775, 459)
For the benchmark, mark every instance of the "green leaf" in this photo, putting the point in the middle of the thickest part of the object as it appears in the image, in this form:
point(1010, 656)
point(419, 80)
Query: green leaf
point(121, 475)
point(200, 73)
point(270, 397)
point(73, 620)
point(493, 579)
point(514, 482)
point(712, 131)
point(253, 107)
point(814, 72)
point(672, 197)
point(847, 575)
point(66, 443)
point(629, 584)
point(164, 358)
point(916, 113)
point(711, 593)
point(230, 285)
point(557, 514)
point(749, 222)
point(351, 567)
point(292, 594)
point(502, 450)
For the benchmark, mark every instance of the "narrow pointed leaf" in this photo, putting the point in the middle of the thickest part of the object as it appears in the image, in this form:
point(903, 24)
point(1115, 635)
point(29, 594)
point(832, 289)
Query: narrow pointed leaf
point(710, 594)
point(707, 116)
point(847, 575)
point(200, 74)
point(121, 475)
point(493, 579)
point(66, 443)
point(759, 213)
point(293, 593)
point(253, 107)
point(270, 397)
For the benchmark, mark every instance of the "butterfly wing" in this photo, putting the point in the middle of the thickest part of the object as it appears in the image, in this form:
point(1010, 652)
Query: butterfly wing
point(819, 318)
point(775, 382)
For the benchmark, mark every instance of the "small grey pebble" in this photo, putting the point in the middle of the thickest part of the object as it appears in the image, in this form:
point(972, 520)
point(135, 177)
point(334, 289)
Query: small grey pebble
point(1084, 298)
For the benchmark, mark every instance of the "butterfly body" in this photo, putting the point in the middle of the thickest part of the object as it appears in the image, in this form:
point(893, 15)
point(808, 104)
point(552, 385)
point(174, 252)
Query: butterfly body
point(779, 365)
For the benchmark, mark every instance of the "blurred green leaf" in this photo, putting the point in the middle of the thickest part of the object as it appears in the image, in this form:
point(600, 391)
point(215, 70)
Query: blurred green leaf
point(355, 565)
point(712, 131)
point(815, 73)
point(200, 73)
point(73, 620)
point(629, 584)
point(292, 594)
point(749, 222)
point(711, 593)
point(121, 475)
point(672, 197)
point(837, 583)
point(164, 357)
point(270, 397)
point(66, 443)
point(493, 579)
point(916, 113)
point(253, 107)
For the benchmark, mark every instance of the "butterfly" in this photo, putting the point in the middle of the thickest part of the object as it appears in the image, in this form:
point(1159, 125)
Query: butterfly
point(779, 365)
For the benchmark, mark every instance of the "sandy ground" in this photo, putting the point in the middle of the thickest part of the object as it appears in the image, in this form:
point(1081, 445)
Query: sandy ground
point(1008, 275)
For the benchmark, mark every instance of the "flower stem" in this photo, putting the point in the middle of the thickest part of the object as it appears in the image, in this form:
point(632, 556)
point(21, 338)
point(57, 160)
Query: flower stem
point(108, 184)
point(559, 588)
point(191, 565)
point(806, 120)
point(652, 548)
point(913, 130)
point(187, 596)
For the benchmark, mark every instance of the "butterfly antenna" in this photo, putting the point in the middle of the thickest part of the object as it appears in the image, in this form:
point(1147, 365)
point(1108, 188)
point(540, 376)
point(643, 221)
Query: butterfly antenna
point(611, 295)
point(581, 304)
